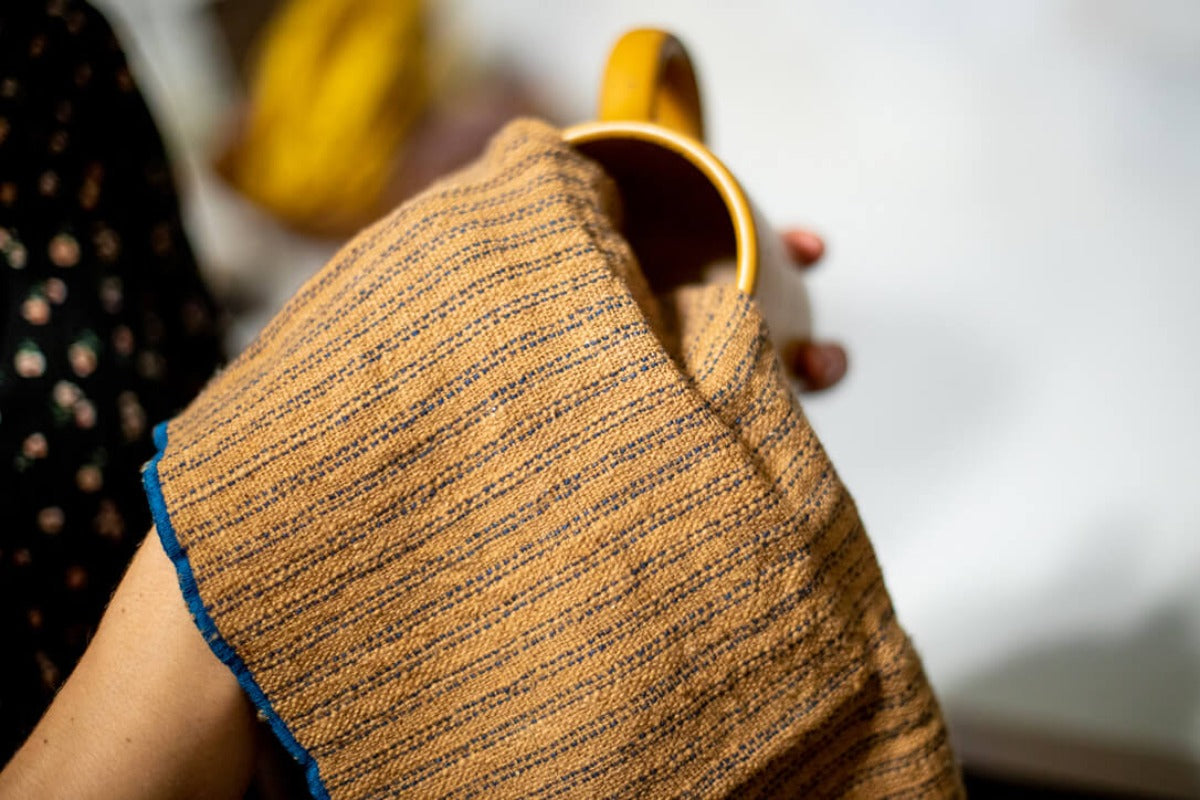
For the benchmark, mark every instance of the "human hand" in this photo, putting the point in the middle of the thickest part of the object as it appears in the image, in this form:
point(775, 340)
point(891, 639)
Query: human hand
point(148, 714)
point(816, 364)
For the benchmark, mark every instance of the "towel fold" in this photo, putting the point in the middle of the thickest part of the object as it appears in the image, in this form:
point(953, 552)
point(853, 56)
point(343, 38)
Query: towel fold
point(478, 515)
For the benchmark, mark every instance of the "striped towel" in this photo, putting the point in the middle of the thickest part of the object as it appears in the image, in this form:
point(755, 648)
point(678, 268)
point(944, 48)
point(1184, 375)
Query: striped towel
point(476, 515)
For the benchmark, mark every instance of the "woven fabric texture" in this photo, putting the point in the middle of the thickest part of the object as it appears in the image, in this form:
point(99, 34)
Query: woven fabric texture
point(477, 515)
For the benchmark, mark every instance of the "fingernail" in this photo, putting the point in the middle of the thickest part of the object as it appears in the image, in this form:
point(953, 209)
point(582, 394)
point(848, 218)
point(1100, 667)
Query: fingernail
point(804, 247)
point(819, 365)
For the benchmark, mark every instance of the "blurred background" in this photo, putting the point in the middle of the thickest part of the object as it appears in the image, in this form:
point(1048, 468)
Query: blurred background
point(1011, 197)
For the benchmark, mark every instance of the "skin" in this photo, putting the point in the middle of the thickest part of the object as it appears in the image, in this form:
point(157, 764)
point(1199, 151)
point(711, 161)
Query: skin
point(151, 714)
point(818, 364)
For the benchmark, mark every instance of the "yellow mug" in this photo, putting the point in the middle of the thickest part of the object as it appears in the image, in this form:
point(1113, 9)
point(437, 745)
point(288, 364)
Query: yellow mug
point(685, 214)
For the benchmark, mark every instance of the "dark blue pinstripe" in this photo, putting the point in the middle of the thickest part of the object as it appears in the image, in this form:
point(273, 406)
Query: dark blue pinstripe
point(476, 290)
point(710, 618)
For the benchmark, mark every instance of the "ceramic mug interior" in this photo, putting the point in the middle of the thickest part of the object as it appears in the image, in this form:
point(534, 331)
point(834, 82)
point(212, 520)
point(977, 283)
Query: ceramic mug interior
point(682, 211)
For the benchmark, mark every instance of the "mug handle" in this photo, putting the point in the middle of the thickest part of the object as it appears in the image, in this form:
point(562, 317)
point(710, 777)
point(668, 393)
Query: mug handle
point(649, 78)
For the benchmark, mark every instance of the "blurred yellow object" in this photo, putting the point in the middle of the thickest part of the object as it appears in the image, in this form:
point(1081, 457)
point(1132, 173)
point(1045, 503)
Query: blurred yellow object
point(337, 87)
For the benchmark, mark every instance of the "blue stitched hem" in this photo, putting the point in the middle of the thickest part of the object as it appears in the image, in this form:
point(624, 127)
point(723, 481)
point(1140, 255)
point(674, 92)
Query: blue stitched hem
point(208, 628)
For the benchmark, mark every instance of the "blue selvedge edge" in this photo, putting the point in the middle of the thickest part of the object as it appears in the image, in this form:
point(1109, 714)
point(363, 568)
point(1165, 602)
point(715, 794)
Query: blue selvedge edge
point(208, 628)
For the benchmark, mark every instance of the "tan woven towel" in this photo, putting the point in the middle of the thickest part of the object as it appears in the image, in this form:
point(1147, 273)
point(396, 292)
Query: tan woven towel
point(464, 526)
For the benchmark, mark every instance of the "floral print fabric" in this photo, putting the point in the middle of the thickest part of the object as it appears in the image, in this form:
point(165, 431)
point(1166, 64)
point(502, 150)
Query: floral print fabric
point(107, 329)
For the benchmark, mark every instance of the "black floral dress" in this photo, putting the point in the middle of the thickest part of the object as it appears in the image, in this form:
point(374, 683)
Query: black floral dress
point(107, 329)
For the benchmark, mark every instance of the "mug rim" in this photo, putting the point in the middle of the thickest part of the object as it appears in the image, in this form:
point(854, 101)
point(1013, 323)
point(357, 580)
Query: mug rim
point(730, 191)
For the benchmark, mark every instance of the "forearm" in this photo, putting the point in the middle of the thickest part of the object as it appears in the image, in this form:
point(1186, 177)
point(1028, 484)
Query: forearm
point(148, 713)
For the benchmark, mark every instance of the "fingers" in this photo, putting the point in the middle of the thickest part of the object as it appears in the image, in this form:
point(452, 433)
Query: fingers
point(818, 365)
point(804, 246)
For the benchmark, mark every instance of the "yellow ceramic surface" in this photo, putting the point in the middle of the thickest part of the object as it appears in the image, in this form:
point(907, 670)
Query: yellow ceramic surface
point(649, 94)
